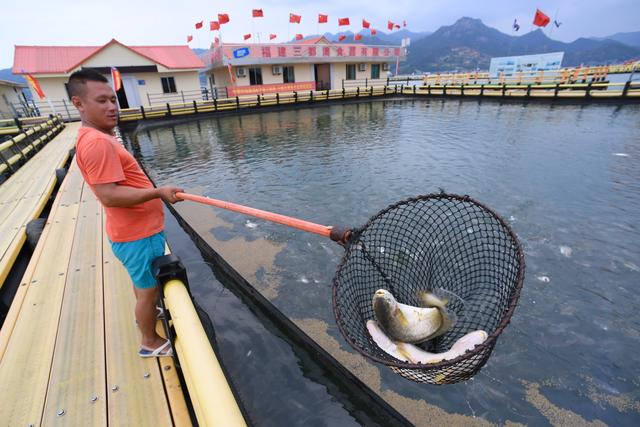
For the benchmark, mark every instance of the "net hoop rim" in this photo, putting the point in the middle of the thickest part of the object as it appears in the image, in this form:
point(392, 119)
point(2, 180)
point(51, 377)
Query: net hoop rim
point(491, 340)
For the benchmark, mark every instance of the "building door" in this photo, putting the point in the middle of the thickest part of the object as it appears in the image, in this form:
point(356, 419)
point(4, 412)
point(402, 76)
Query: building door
point(323, 76)
point(130, 87)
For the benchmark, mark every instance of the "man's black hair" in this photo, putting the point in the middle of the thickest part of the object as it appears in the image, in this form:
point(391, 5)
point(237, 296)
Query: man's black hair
point(79, 79)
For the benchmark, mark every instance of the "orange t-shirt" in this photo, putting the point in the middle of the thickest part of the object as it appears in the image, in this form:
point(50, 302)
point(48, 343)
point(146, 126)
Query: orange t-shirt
point(102, 160)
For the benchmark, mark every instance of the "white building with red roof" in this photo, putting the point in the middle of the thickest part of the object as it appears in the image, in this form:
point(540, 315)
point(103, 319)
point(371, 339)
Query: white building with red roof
point(150, 74)
point(312, 64)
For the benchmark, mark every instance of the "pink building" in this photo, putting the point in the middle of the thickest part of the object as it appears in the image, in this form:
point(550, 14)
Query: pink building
point(313, 64)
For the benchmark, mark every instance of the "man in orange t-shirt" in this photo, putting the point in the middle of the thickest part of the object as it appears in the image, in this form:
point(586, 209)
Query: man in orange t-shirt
point(133, 207)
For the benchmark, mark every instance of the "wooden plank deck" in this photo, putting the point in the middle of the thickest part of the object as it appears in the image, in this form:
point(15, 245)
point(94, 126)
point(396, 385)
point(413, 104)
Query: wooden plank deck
point(68, 348)
point(25, 193)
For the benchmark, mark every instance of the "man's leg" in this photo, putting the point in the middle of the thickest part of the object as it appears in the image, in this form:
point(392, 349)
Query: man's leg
point(146, 315)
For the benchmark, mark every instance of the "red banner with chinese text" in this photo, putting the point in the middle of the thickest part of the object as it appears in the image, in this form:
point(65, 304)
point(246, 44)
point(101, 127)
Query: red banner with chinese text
point(270, 88)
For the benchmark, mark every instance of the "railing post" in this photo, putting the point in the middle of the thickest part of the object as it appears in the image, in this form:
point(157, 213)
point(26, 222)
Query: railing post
point(168, 110)
point(444, 89)
point(215, 104)
point(327, 94)
point(310, 96)
point(343, 85)
point(414, 89)
point(18, 124)
point(195, 106)
point(587, 94)
point(259, 103)
point(237, 102)
point(148, 99)
point(429, 89)
point(557, 89)
point(295, 96)
point(144, 116)
point(402, 89)
point(462, 89)
point(366, 82)
point(358, 92)
point(66, 108)
point(182, 95)
point(384, 92)
point(277, 99)
point(387, 81)
point(529, 90)
point(343, 93)
point(504, 89)
point(371, 91)
point(625, 90)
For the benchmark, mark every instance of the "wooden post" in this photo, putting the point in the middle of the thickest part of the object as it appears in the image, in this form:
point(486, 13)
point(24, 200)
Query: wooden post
point(327, 94)
point(358, 92)
point(144, 116)
point(259, 100)
point(371, 91)
point(310, 96)
point(168, 110)
point(295, 96)
point(277, 99)
point(195, 106)
point(237, 102)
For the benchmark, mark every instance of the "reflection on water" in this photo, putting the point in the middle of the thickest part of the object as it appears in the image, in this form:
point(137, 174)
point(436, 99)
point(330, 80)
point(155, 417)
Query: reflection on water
point(564, 176)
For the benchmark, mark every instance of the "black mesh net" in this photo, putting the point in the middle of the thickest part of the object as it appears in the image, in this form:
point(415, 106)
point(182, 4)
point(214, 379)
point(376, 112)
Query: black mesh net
point(438, 241)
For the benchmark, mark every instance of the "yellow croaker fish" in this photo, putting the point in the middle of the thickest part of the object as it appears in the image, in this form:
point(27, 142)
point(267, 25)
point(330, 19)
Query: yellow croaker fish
point(410, 353)
point(403, 322)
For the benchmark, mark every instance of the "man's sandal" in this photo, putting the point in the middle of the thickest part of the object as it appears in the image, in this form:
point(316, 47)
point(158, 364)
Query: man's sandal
point(164, 350)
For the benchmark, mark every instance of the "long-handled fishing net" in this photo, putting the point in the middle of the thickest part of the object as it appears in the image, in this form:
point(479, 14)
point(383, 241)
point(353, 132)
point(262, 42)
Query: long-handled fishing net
point(441, 241)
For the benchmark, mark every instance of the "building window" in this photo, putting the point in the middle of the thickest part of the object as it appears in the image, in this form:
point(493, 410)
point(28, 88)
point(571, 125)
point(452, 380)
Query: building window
point(255, 76)
point(288, 75)
point(168, 85)
point(351, 71)
point(375, 71)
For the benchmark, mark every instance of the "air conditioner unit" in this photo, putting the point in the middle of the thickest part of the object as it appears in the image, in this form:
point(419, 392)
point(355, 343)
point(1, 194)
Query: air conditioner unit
point(362, 67)
point(241, 72)
point(276, 69)
point(385, 66)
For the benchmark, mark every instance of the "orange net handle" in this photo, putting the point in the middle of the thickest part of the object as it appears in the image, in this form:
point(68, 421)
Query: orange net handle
point(310, 227)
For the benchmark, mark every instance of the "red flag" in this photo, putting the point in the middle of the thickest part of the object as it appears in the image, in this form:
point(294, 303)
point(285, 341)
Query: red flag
point(223, 18)
point(343, 21)
point(199, 25)
point(390, 25)
point(272, 36)
point(257, 13)
point(214, 25)
point(323, 19)
point(365, 23)
point(342, 37)
point(116, 79)
point(247, 36)
point(374, 31)
point(358, 37)
point(189, 38)
point(541, 20)
point(299, 36)
point(35, 85)
point(294, 19)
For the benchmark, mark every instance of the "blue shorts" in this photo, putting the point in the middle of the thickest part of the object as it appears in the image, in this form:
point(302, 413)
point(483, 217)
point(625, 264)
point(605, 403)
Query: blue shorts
point(137, 257)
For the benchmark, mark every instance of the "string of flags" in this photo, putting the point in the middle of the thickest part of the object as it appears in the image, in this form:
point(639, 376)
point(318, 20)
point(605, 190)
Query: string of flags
point(224, 18)
point(540, 19)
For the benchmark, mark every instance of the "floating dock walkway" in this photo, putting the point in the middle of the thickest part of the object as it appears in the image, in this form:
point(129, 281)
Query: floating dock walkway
point(557, 92)
point(68, 346)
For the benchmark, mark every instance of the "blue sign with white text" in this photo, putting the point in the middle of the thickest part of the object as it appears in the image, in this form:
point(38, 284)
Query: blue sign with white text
point(241, 53)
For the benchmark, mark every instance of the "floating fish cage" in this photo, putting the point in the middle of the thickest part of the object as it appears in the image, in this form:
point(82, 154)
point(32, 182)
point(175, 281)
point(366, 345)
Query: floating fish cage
point(437, 241)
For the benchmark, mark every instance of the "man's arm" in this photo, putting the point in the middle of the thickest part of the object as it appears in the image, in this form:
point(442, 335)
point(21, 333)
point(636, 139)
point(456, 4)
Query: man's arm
point(113, 195)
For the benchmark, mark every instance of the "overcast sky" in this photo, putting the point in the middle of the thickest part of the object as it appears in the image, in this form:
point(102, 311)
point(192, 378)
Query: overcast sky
point(135, 22)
